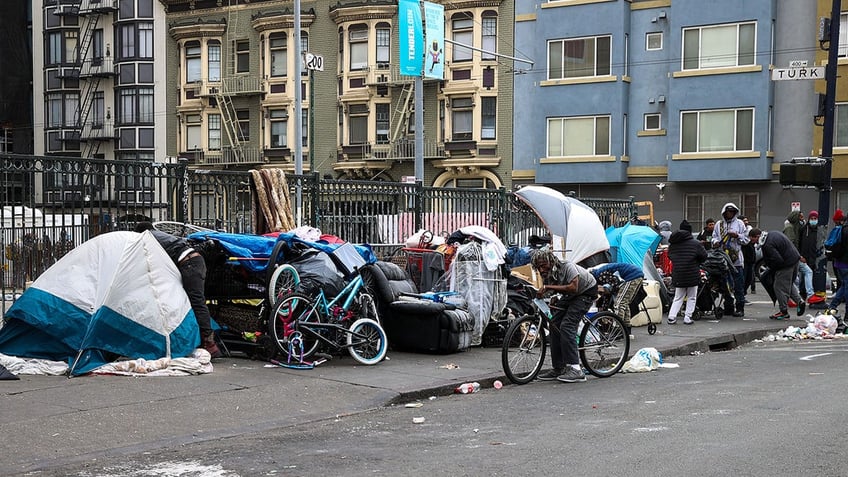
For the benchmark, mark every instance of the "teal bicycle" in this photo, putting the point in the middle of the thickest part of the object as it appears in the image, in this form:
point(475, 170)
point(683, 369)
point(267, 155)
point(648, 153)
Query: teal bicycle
point(302, 325)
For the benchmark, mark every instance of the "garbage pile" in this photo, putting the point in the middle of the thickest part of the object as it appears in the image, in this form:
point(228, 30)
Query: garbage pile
point(822, 326)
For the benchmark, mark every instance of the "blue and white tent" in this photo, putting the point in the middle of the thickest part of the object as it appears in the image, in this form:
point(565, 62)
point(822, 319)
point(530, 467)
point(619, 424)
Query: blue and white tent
point(116, 295)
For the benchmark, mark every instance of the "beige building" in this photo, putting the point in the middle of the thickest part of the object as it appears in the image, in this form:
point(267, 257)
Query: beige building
point(230, 90)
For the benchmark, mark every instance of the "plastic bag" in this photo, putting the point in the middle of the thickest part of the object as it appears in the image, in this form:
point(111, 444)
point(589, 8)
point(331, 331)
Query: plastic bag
point(825, 323)
point(646, 359)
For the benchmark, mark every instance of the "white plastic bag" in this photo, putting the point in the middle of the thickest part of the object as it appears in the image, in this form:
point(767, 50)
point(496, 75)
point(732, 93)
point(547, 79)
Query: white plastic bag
point(646, 359)
point(826, 323)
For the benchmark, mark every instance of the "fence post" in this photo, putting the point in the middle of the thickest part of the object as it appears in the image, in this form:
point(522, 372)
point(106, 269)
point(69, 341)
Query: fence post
point(314, 198)
point(182, 189)
point(418, 205)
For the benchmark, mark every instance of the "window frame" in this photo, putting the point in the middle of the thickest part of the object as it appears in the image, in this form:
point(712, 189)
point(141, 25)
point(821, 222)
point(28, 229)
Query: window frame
point(241, 49)
point(462, 28)
point(488, 114)
point(360, 43)
point(489, 35)
point(688, 61)
point(563, 135)
point(571, 43)
point(357, 116)
point(462, 108)
point(383, 44)
point(684, 127)
point(213, 58)
point(213, 132)
point(654, 34)
point(279, 125)
point(646, 118)
point(193, 52)
point(280, 48)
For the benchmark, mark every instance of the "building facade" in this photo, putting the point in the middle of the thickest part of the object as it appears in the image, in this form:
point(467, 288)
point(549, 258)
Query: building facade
point(666, 101)
point(231, 90)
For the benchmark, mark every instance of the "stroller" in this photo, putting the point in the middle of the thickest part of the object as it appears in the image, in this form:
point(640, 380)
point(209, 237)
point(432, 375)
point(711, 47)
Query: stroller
point(714, 285)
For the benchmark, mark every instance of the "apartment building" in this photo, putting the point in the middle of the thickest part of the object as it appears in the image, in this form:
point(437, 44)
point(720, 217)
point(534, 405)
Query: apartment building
point(667, 101)
point(231, 90)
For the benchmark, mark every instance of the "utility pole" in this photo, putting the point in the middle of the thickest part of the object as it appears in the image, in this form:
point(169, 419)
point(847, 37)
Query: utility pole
point(820, 269)
point(298, 113)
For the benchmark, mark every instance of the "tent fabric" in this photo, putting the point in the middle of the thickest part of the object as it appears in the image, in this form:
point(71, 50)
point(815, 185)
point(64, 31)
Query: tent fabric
point(561, 215)
point(630, 243)
point(6, 375)
point(125, 299)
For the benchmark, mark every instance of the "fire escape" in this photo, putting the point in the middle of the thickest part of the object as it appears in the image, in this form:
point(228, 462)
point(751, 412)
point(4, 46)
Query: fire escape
point(92, 64)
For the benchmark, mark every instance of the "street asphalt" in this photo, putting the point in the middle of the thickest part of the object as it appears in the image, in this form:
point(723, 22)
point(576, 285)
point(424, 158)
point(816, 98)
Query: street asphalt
point(49, 421)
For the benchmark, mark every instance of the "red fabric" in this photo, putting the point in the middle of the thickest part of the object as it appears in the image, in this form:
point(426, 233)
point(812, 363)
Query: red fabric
point(331, 239)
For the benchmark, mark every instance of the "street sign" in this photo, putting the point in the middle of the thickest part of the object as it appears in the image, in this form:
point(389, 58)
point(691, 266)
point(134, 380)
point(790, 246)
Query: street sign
point(798, 64)
point(811, 73)
point(314, 62)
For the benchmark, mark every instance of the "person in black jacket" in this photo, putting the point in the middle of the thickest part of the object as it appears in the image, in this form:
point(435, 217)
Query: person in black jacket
point(686, 254)
point(192, 269)
point(808, 246)
point(781, 256)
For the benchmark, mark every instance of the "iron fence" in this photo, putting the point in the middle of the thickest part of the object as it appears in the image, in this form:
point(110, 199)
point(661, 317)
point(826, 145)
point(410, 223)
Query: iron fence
point(52, 204)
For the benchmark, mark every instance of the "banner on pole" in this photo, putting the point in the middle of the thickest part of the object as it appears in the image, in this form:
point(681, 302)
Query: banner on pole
point(411, 37)
point(434, 16)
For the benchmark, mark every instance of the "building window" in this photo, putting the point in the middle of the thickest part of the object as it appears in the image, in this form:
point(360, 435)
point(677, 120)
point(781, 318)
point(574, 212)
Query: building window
point(717, 131)
point(192, 132)
point(700, 207)
point(214, 132)
point(654, 41)
point(304, 47)
point(242, 56)
point(489, 116)
point(279, 127)
point(382, 123)
point(840, 127)
point(192, 53)
point(441, 120)
point(462, 33)
point(54, 110)
point(358, 36)
point(136, 105)
point(719, 46)
point(384, 43)
point(54, 48)
point(341, 50)
point(490, 35)
point(652, 121)
point(843, 35)
point(304, 127)
point(243, 124)
point(127, 39)
point(278, 44)
point(97, 109)
point(357, 123)
point(213, 49)
point(580, 136)
point(462, 119)
point(581, 57)
point(145, 40)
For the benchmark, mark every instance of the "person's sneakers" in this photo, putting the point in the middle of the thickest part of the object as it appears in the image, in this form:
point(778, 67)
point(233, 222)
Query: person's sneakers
point(815, 299)
point(571, 375)
point(688, 321)
point(672, 321)
point(802, 306)
point(791, 303)
point(550, 375)
point(780, 315)
point(739, 313)
point(208, 343)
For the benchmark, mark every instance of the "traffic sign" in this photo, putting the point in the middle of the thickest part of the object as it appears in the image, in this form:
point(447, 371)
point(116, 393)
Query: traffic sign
point(811, 73)
point(798, 64)
point(314, 62)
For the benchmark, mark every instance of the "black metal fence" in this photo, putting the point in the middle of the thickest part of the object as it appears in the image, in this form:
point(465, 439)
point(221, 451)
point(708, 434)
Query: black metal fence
point(52, 204)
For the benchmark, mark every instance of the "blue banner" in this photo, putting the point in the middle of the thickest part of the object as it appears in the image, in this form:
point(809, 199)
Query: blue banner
point(411, 37)
point(434, 19)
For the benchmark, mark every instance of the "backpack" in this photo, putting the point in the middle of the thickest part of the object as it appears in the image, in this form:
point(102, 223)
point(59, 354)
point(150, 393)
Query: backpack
point(716, 262)
point(834, 245)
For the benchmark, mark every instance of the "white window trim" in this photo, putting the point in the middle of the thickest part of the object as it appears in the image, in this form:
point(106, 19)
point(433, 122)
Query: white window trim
point(595, 68)
point(595, 131)
point(735, 131)
point(700, 45)
point(648, 40)
point(645, 122)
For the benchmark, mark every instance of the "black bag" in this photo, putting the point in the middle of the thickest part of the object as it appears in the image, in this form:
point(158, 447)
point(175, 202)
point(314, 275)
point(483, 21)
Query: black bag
point(427, 326)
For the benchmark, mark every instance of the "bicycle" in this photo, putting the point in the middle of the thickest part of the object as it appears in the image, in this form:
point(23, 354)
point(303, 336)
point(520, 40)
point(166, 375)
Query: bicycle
point(603, 343)
point(300, 324)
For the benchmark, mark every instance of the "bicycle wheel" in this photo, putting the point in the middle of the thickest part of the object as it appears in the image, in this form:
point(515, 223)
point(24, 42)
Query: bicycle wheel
point(366, 341)
point(364, 306)
point(524, 347)
point(284, 280)
point(286, 323)
point(604, 344)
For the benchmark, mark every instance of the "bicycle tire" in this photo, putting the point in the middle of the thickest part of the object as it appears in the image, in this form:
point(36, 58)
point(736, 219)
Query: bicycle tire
point(284, 281)
point(287, 316)
point(604, 344)
point(370, 343)
point(364, 306)
point(523, 353)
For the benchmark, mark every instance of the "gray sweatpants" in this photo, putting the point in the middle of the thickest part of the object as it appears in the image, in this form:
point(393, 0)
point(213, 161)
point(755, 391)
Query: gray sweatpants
point(784, 287)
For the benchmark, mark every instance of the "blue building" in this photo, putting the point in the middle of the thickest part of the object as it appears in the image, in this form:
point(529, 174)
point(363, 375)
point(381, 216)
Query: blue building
point(666, 101)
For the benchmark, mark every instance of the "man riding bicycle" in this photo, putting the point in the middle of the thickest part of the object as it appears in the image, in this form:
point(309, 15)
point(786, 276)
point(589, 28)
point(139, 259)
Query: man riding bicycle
point(578, 290)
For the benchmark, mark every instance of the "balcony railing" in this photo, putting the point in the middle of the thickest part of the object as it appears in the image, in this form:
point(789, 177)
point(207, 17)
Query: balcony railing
point(402, 150)
point(230, 86)
point(102, 130)
point(102, 67)
point(232, 155)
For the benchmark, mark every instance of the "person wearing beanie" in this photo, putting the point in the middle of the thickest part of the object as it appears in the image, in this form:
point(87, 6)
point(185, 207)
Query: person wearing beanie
point(685, 225)
point(730, 234)
point(808, 248)
point(686, 254)
point(838, 217)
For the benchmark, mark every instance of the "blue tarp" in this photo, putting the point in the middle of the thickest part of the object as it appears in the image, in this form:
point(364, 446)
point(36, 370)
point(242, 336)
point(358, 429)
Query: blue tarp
point(629, 243)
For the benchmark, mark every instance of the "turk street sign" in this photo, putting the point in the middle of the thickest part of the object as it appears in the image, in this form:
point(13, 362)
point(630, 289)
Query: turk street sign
point(810, 73)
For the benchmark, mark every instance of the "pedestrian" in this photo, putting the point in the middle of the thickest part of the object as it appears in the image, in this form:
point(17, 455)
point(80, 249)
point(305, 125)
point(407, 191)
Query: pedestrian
point(808, 247)
point(706, 235)
point(664, 229)
point(749, 256)
point(577, 290)
point(624, 281)
point(792, 229)
point(838, 219)
point(686, 254)
point(730, 234)
point(840, 267)
point(782, 258)
point(192, 269)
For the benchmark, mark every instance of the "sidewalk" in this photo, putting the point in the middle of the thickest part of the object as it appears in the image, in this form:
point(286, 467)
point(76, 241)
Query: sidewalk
point(48, 421)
